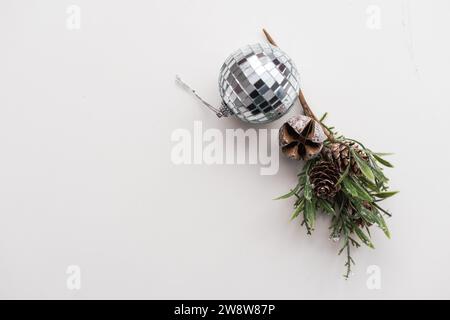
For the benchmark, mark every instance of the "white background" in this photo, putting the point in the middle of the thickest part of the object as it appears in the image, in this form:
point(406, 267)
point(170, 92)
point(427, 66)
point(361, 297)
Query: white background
point(86, 178)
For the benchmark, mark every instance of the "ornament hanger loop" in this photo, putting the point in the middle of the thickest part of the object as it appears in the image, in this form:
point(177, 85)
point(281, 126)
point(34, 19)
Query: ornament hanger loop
point(222, 112)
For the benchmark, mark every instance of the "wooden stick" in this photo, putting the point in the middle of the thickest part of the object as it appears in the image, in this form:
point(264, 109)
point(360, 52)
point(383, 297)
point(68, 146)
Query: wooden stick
point(269, 38)
point(306, 109)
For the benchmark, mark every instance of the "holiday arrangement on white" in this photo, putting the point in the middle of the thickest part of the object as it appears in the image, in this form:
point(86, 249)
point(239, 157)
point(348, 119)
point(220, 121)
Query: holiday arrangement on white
point(340, 177)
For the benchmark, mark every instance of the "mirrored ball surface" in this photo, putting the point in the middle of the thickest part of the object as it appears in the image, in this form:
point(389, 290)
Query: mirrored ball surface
point(259, 83)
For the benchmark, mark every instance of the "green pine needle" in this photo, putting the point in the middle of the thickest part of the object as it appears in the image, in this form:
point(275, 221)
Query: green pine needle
point(354, 208)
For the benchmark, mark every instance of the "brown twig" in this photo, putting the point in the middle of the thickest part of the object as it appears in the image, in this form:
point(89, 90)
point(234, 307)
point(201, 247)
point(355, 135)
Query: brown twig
point(306, 109)
point(269, 38)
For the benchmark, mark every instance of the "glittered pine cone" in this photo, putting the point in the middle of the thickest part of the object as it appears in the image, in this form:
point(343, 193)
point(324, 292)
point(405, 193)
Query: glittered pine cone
point(340, 155)
point(301, 138)
point(323, 176)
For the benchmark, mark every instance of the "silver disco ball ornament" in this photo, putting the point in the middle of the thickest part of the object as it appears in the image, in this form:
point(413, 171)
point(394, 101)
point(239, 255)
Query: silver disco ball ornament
point(257, 83)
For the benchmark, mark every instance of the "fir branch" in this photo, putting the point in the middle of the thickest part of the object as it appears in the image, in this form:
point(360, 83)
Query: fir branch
point(353, 206)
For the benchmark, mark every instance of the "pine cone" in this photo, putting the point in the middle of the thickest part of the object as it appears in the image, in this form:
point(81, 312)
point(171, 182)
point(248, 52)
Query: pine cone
point(339, 153)
point(323, 176)
point(301, 138)
point(360, 221)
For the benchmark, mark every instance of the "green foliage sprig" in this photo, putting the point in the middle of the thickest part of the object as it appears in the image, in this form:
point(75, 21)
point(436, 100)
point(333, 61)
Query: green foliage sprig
point(356, 205)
